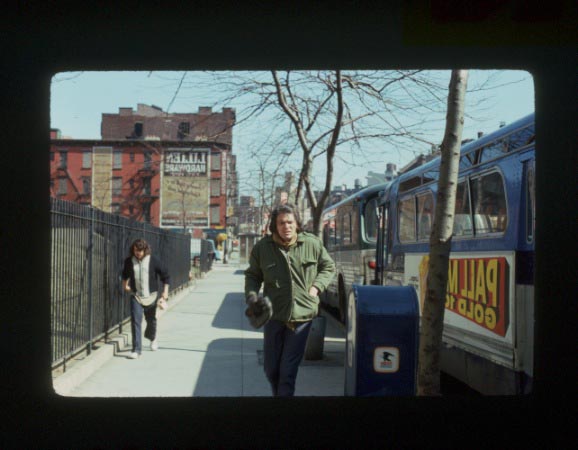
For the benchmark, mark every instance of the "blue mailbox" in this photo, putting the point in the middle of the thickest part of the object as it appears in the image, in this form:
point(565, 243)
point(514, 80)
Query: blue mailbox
point(382, 341)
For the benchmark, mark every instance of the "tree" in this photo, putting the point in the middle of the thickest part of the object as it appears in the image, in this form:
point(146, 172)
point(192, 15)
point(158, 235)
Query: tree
point(339, 115)
point(267, 169)
point(302, 129)
point(440, 240)
point(327, 109)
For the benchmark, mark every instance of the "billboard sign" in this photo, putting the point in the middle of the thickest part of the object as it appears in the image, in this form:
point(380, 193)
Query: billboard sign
point(185, 187)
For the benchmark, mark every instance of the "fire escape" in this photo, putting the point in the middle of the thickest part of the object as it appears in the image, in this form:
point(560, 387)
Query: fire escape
point(142, 191)
point(80, 195)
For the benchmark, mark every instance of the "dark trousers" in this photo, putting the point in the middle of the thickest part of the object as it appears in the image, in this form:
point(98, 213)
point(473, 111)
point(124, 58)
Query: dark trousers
point(283, 351)
point(136, 312)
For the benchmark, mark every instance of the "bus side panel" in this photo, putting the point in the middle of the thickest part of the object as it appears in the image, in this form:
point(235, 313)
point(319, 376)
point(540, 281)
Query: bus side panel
point(480, 314)
point(352, 267)
point(331, 296)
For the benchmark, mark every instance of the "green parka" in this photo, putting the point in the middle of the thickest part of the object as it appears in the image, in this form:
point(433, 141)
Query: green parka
point(288, 276)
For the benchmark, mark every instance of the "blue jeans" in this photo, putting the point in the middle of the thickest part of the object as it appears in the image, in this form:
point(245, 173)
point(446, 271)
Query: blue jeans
point(283, 351)
point(136, 312)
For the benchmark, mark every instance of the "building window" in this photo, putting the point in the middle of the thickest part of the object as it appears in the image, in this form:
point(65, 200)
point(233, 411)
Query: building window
point(63, 160)
point(184, 130)
point(146, 186)
point(131, 210)
point(215, 161)
point(215, 187)
point(148, 160)
point(62, 186)
point(51, 156)
point(131, 184)
point(131, 157)
point(86, 185)
point(115, 208)
point(117, 159)
point(138, 129)
point(215, 214)
point(117, 186)
point(146, 212)
point(86, 160)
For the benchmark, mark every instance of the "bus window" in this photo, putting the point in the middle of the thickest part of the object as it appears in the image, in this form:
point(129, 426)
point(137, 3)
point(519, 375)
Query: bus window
point(494, 150)
point(431, 175)
point(467, 161)
point(462, 217)
point(410, 183)
point(346, 229)
point(522, 137)
point(489, 200)
point(354, 220)
point(329, 234)
point(424, 215)
point(370, 220)
point(406, 218)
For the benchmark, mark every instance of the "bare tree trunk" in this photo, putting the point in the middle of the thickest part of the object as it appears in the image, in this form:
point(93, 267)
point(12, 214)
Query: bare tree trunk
point(440, 240)
point(307, 147)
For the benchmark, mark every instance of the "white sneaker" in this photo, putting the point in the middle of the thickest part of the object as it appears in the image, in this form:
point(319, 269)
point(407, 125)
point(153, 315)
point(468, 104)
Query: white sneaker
point(133, 355)
point(154, 345)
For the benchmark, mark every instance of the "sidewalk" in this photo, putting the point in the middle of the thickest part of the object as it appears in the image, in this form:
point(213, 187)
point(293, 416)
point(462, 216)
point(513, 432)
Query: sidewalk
point(207, 348)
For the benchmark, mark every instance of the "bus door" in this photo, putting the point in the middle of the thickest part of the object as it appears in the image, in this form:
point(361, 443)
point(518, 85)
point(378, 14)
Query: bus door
point(381, 214)
point(383, 239)
point(391, 276)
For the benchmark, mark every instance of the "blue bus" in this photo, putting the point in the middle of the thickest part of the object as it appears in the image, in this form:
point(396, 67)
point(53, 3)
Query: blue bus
point(489, 315)
point(350, 232)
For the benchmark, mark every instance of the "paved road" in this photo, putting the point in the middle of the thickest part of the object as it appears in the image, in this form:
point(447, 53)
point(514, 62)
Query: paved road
point(208, 349)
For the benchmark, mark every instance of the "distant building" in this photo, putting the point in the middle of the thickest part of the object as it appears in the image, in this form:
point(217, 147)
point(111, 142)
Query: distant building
point(390, 172)
point(152, 123)
point(173, 183)
point(246, 201)
point(382, 177)
point(418, 161)
point(250, 218)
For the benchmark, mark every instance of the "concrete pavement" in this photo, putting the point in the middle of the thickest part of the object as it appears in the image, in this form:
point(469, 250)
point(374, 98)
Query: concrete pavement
point(207, 348)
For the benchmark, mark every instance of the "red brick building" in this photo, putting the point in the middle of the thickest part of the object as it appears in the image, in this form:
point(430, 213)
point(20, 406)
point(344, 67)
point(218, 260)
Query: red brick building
point(151, 122)
point(170, 177)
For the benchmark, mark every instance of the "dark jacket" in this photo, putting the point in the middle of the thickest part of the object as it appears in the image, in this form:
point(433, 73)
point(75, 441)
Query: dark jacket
point(286, 281)
point(156, 270)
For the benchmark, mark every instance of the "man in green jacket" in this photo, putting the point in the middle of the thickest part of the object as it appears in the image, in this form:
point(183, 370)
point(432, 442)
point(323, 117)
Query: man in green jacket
point(293, 267)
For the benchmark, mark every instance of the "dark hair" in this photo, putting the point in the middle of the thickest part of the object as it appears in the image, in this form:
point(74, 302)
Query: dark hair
point(284, 209)
point(140, 244)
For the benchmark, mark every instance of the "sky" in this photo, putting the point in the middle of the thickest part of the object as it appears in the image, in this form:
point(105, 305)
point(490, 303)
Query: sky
point(78, 99)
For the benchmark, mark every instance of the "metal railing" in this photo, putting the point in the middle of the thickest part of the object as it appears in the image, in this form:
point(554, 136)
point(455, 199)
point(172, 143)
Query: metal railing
point(88, 249)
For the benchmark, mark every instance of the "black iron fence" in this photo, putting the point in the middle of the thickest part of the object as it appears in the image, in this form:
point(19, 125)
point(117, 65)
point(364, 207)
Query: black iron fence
point(89, 247)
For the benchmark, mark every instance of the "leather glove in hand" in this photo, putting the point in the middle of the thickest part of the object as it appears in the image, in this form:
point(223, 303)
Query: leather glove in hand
point(259, 310)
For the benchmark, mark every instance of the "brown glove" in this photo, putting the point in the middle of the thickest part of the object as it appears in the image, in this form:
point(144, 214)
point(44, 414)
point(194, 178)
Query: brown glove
point(259, 309)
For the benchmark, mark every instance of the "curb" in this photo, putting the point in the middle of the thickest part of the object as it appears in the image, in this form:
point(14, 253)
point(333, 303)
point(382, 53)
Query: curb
point(86, 365)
